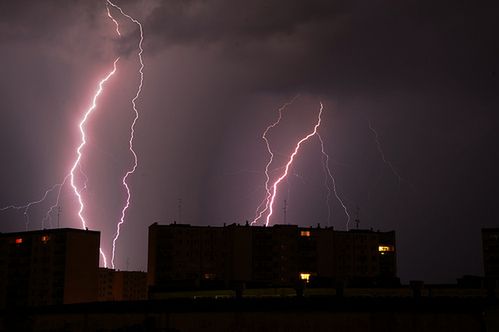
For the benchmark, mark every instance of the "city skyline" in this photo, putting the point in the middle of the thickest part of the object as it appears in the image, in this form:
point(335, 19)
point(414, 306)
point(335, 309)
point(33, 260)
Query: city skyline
point(410, 118)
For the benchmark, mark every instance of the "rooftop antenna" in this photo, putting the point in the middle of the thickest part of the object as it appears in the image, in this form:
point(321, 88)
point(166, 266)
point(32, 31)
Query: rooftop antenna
point(285, 211)
point(58, 216)
point(179, 206)
point(357, 219)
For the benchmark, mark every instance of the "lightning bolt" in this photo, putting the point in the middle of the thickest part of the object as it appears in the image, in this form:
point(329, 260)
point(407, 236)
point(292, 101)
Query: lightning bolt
point(104, 258)
point(113, 19)
point(48, 214)
point(270, 206)
point(76, 164)
point(56, 204)
point(47, 218)
point(77, 190)
point(83, 142)
point(272, 190)
point(25, 208)
point(79, 150)
point(328, 173)
point(325, 166)
point(382, 153)
point(259, 213)
point(132, 127)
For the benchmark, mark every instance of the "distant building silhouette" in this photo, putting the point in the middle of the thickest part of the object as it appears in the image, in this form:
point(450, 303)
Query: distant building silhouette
point(490, 245)
point(186, 257)
point(46, 267)
point(122, 285)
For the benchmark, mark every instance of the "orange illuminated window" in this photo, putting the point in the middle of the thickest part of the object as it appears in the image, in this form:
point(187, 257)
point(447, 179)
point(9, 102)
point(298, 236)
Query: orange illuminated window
point(19, 240)
point(305, 276)
point(45, 238)
point(305, 233)
point(385, 248)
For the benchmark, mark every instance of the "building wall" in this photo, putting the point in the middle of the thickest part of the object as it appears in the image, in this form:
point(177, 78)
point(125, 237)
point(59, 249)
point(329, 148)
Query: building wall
point(82, 262)
point(184, 256)
point(239, 248)
point(490, 245)
point(106, 285)
point(122, 285)
point(132, 285)
point(48, 267)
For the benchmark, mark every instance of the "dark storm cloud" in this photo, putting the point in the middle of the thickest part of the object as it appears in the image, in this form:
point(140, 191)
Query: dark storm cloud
point(66, 28)
point(33, 20)
point(235, 21)
point(339, 45)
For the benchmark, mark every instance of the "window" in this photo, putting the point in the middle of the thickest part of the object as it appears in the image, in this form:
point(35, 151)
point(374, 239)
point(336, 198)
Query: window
point(209, 275)
point(305, 233)
point(305, 276)
point(385, 248)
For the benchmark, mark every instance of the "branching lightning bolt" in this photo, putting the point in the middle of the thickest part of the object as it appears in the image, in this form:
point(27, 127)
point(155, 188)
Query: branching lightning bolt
point(327, 170)
point(113, 19)
point(56, 204)
point(48, 215)
point(382, 153)
point(132, 127)
point(83, 142)
point(77, 190)
point(259, 213)
point(270, 205)
point(76, 164)
point(272, 191)
point(25, 208)
point(325, 166)
point(47, 218)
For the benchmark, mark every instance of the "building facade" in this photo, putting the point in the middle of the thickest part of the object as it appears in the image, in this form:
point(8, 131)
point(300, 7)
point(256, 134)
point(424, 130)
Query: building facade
point(122, 285)
point(48, 267)
point(184, 256)
point(490, 246)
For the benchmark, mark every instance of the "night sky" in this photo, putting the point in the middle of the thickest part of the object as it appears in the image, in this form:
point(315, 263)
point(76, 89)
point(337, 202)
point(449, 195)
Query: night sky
point(424, 74)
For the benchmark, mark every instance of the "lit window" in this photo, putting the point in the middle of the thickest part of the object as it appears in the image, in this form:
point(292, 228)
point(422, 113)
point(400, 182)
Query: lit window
point(305, 276)
point(305, 233)
point(45, 238)
point(210, 276)
point(19, 240)
point(384, 248)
